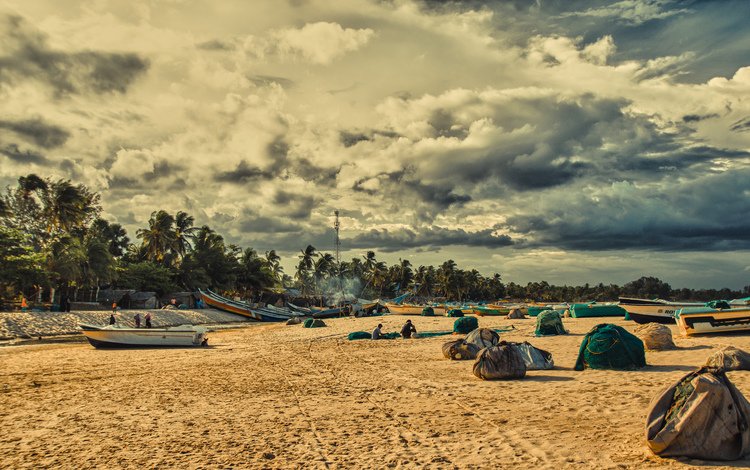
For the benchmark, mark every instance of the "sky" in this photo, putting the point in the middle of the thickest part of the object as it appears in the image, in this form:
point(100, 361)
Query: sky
point(560, 140)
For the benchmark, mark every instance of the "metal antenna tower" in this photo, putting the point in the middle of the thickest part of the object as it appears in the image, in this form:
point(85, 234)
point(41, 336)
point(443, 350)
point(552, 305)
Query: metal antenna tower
point(337, 226)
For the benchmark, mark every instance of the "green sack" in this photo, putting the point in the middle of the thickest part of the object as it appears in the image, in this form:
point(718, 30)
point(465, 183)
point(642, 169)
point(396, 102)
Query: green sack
point(428, 312)
point(455, 313)
point(549, 323)
point(359, 335)
point(464, 325)
point(313, 323)
point(609, 346)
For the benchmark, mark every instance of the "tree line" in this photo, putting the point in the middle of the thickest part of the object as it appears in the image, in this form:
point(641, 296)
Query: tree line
point(53, 238)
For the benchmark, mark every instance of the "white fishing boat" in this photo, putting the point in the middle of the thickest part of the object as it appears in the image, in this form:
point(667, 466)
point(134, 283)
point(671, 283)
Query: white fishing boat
point(698, 320)
point(656, 310)
point(114, 336)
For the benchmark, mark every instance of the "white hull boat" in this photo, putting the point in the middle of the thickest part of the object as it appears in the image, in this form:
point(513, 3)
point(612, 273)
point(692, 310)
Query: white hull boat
point(656, 310)
point(693, 321)
point(113, 336)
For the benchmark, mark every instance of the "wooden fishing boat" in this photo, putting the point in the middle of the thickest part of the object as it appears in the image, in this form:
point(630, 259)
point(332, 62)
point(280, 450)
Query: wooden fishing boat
point(412, 309)
point(241, 308)
point(114, 336)
point(656, 310)
point(699, 320)
point(493, 311)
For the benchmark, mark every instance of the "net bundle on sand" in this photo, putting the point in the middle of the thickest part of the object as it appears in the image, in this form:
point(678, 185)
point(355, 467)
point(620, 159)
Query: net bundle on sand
point(655, 336)
point(729, 358)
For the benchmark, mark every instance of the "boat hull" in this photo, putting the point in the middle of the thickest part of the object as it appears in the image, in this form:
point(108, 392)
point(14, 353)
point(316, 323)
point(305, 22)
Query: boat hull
point(596, 310)
point(239, 308)
point(642, 318)
point(175, 337)
point(398, 309)
point(694, 321)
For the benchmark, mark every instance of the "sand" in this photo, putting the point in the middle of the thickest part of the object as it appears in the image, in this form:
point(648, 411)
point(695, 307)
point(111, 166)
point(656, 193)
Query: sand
point(276, 396)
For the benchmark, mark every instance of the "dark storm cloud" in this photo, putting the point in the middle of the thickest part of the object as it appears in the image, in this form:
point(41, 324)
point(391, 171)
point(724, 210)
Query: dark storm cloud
point(352, 138)
point(743, 125)
point(698, 117)
point(295, 206)
point(38, 132)
point(216, 45)
point(254, 223)
point(13, 152)
point(306, 170)
point(426, 238)
point(165, 169)
point(266, 80)
point(705, 214)
point(27, 56)
point(407, 184)
point(242, 174)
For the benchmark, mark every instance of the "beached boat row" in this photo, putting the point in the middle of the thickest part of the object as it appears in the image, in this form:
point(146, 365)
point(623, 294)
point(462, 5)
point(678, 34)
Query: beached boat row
point(115, 336)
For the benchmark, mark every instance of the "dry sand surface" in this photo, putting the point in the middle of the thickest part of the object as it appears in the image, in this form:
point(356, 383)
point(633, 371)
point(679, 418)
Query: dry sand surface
point(276, 396)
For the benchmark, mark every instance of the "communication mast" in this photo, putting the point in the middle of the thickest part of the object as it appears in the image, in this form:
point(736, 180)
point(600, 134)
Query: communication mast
point(337, 242)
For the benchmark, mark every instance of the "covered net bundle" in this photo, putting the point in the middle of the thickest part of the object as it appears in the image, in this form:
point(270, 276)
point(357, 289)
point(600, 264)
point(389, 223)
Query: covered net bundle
point(515, 314)
point(454, 313)
point(428, 312)
point(702, 415)
point(549, 323)
point(729, 358)
point(483, 337)
point(460, 350)
point(535, 358)
point(294, 321)
point(464, 325)
point(313, 323)
point(503, 361)
point(718, 304)
point(609, 346)
point(655, 336)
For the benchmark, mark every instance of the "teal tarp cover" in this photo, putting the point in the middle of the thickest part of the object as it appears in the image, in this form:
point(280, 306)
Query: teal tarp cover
point(313, 323)
point(428, 312)
point(455, 313)
point(355, 335)
point(718, 304)
point(464, 325)
point(549, 323)
point(609, 346)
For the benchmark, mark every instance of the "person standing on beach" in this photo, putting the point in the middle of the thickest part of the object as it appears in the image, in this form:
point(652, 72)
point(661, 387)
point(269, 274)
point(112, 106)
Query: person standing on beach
point(407, 330)
point(376, 333)
point(114, 307)
point(112, 319)
point(137, 319)
point(24, 305)
point(148, 320)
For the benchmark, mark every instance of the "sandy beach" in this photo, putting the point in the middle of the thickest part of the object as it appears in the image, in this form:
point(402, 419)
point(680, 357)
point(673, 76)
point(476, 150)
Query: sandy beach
point(277, 396)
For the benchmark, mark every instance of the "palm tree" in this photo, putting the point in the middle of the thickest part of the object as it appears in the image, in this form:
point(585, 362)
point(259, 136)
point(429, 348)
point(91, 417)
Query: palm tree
point(274, 265)
point(305, 265)
point(159, 237)
point(184, 233)
point(254, 273)
point(68, 206)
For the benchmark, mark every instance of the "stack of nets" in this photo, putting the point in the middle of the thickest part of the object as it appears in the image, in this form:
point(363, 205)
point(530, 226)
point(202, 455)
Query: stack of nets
point(516, 314)
point(460, 350)
point(609, 346)
point(454, 313)
point(703, 415)
point(483, 337)
point(549, 323)
point(503, 361)
point(655, 336)
point(464, 325)
point(729, 358)
point(313, 323)
point(428, 312)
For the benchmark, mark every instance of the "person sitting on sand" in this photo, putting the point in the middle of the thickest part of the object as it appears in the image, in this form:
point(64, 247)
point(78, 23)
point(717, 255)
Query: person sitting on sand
point(148, 320)
point(137, 319)
point(112, 319)
point(376, 333)
point(408, 329)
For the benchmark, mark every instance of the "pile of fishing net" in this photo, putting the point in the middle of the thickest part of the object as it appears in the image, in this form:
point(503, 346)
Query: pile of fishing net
point(702, 416)
point(729, 358)
point(609, 346)
point(655, 336)
point(503, 361)
point(464, 325)
point(313, 323)
point(454, 313)
point(482, 337)
point(460, 350)
point(515, 314)
point(294, 321)
point(428, 312)
point(549, 323)
point(355, 335)
point(718, 304)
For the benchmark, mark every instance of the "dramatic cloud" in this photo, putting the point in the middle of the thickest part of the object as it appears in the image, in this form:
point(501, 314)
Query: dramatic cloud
point(529, 138)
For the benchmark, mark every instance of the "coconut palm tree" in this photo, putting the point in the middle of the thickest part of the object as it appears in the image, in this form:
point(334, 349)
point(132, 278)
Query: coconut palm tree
point(184, 233)
point(68, 206)
point(159, 237)
point(273, 261)
point(304, 269)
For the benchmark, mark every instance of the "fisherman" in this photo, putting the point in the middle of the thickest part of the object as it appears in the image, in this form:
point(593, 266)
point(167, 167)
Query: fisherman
point(376, 333)
point(114, 307)
point(148, 319)
point(407, 330)
point(24, 304)
point(112, 319)
point(137, 319)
